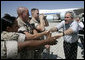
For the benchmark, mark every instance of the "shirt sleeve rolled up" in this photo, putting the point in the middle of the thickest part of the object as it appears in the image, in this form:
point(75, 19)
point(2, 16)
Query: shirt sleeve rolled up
point(74, 26)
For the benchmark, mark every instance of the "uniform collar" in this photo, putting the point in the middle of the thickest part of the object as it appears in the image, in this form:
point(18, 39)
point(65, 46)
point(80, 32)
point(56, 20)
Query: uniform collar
point(21, 21)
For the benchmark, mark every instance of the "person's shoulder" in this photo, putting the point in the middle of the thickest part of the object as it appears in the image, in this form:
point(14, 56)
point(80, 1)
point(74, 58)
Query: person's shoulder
point(33, 21)
point(75, 22)
point(5, 33)
point(63, 22)
point(9, 35)
point(20, 20)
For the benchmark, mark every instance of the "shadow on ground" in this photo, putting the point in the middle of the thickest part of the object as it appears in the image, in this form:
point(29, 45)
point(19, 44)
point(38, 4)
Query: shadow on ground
point(50, 56)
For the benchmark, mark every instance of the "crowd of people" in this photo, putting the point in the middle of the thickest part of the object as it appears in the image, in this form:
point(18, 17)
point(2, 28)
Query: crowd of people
point(25, 38)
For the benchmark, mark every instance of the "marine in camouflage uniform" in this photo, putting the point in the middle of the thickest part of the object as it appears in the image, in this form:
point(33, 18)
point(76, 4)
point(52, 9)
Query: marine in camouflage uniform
point(38, 52)
point(25, 26)
point(9, 44)
point(40, 23)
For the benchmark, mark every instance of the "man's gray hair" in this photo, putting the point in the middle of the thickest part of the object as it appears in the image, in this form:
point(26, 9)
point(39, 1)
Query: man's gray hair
point(72, 14)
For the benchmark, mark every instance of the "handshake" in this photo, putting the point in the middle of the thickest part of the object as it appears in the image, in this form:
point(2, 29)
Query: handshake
point(52, 40)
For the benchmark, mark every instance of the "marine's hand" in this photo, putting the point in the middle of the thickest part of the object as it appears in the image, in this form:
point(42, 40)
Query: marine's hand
point(53, 29)
point(46, 32)
point(41, 16)
point(52, 41)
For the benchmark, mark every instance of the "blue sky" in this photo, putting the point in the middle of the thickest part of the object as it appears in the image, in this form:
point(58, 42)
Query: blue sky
point(11, 6)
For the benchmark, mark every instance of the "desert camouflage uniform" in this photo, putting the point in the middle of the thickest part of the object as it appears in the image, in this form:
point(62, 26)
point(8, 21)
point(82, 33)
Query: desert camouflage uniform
point(9, 49)
point(25, 26)
point(9, 44)
point(12, 36)
point(39, 51)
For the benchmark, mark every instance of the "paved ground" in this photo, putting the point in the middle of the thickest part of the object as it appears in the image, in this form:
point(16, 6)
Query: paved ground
point(57, 51)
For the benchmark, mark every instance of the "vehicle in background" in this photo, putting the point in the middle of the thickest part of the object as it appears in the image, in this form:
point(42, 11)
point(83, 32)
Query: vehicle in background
point(58, 14)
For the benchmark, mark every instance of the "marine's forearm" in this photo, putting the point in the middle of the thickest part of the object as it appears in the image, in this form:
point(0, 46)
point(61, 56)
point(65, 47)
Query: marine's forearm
point(31, 44)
